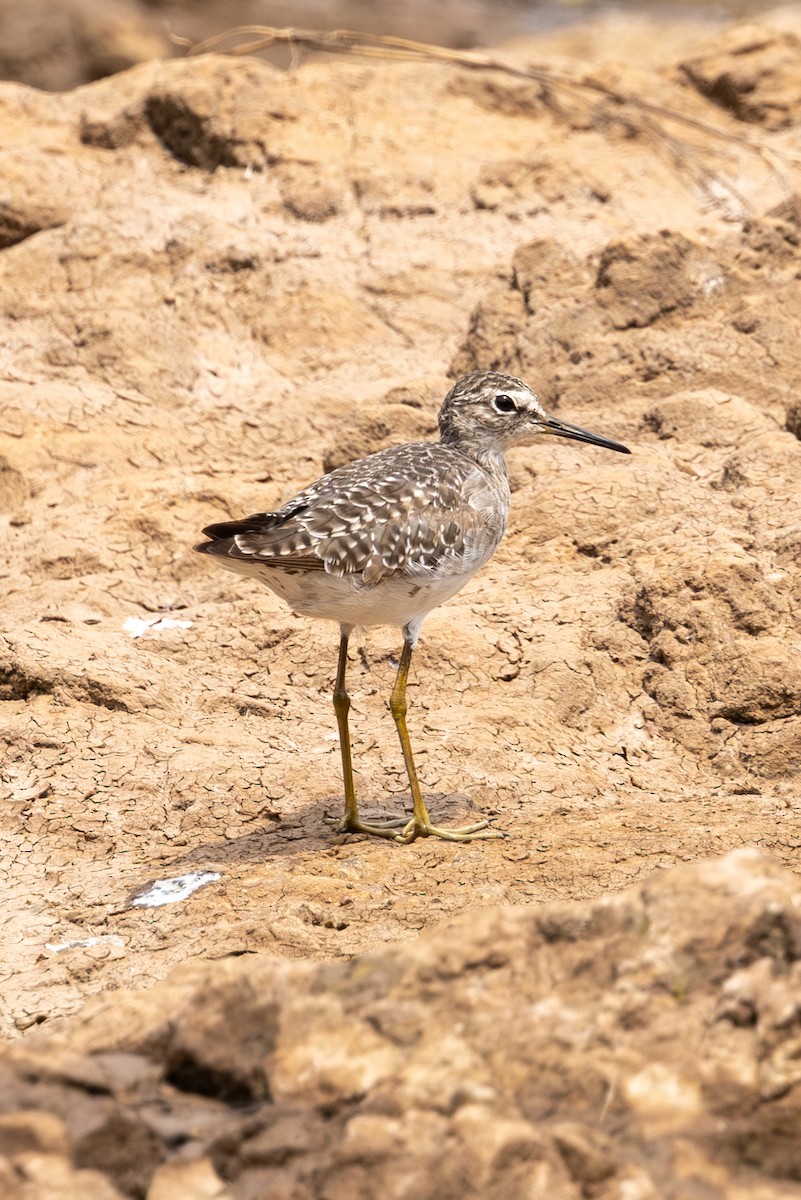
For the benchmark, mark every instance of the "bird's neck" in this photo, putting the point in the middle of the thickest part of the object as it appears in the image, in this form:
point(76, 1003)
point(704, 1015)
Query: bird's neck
point(493, 462)
point(490, 458)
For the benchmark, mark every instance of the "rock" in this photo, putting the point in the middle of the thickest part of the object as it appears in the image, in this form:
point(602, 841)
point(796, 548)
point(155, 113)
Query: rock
point(32, 1133)
point(187, 1181)
point(641, 281)
point(754, 74)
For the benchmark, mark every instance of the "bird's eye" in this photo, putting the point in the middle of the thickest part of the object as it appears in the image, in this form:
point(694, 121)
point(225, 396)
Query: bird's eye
point(504, 404)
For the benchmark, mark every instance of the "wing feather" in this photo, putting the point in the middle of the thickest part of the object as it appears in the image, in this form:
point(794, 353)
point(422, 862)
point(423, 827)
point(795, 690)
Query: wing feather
point(410, 509)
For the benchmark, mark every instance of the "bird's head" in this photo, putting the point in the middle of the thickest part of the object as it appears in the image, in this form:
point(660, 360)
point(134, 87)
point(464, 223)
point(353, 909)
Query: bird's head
point(490, 411)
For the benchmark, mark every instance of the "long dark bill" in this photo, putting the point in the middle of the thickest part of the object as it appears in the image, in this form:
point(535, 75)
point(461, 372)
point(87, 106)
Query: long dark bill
point(562, 429)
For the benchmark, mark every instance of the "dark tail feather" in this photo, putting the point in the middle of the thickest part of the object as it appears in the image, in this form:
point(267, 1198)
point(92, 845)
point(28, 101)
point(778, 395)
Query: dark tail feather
point(226, 531)
point(208, 547)
point(257, 523)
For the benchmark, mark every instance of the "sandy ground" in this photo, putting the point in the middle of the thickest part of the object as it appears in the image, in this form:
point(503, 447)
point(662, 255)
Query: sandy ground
point(219, 280)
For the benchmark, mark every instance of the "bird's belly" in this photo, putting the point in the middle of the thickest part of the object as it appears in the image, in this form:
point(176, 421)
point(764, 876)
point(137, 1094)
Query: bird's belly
point(394, 600)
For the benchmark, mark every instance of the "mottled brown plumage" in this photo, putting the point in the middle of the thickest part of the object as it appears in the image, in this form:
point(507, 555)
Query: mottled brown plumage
point(415, 507)
point(387, 538)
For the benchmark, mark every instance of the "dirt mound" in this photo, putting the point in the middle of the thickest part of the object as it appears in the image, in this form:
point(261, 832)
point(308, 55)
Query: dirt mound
point(639, 1045)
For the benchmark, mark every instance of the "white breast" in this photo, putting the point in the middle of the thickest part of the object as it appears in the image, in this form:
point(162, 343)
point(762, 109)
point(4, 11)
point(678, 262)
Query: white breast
point(396, 600)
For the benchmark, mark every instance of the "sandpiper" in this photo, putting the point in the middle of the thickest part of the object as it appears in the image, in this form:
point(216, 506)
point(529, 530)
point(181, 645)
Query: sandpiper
point(385, 539)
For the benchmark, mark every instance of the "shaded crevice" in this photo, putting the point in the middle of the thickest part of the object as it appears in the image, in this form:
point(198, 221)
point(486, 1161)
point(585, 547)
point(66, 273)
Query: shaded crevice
point(189, 137)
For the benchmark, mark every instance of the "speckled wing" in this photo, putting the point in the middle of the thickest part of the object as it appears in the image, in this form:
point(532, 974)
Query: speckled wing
point(411, 509)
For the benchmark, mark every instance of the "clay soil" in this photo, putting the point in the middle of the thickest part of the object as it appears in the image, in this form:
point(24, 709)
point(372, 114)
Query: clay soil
point(218, 280)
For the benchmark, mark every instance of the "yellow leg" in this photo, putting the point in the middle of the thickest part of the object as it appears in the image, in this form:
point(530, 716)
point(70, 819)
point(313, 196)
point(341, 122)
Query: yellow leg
point(351, 822)
point(420, 824)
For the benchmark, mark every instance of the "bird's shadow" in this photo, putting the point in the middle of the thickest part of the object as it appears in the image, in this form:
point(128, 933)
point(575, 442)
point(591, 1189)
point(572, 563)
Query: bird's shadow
point(315, 828)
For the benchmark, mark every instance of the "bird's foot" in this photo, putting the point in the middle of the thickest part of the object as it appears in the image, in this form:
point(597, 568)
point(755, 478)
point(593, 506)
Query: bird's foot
point(406, 829)
point(393, 828)
point(481, 830)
